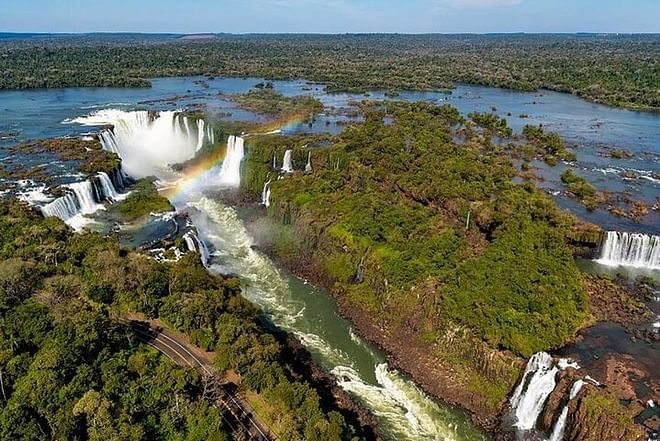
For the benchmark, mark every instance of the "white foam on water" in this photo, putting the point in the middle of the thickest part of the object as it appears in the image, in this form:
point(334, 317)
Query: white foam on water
point(34, 195)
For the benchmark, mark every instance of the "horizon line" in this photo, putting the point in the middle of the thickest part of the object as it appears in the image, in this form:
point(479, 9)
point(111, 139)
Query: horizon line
point(210, 33)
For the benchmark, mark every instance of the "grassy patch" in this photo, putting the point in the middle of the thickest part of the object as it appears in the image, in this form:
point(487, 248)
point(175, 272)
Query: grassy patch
point(144, 199)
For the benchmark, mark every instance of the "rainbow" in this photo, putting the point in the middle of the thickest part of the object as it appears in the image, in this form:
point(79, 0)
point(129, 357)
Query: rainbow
point(197, 173)
point(202, 169)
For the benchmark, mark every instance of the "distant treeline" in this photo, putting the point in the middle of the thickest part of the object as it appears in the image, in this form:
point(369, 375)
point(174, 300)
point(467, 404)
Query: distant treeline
point(616, 70)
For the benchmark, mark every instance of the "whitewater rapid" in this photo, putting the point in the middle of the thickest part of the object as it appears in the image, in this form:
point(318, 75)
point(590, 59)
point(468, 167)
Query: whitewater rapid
point(402, 409)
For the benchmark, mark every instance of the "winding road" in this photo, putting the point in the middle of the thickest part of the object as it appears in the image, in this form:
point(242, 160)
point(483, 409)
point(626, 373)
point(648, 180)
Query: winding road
point(237, 413)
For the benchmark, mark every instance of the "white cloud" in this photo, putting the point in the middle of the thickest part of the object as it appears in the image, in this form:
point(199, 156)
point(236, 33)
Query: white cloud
point(477, 4)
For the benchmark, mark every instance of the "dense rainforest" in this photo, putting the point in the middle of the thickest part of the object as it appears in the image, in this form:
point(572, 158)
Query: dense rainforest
point(71, 369)
point(611, 69)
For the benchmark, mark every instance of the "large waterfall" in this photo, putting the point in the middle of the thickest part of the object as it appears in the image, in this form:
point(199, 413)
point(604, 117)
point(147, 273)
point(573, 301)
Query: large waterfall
point(538, 382)
point(631, 249)
point(146, 141)
point(230, 172)
point(558, 431)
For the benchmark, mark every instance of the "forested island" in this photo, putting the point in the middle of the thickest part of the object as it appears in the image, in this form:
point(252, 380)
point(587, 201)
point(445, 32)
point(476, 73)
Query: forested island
point(619, 70)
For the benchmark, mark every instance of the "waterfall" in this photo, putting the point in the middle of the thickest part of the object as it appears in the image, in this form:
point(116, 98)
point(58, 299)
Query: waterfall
point(84, 192)
point(81, 198)
point(308, 166)
point(274, 160)
point(187, 126)
point(265, 194)
point(558, 431)
point(147, 145)
point(109, 191)
point(195, 244)
point(210, 135)
point(64, 207)
point(200, 134)
point(287, 167)
point(230, 172)
point(631, 249)
point(537, 383)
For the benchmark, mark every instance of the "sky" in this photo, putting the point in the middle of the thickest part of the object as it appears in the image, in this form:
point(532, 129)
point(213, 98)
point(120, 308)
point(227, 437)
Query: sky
point(330, 16)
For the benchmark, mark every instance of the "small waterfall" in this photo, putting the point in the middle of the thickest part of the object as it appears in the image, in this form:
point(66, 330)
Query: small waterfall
point(200, 134)
point(287, 166)
point(210, 135)
point(186, 125)
point(108, 188)
point(274, 160)
point(195, 244)
point(631, 249)
point(84, 192)
point(308, 166)
point(537, 383)
point(64, 207)
point(265, 194)
point(558, 431)
point(118, 179)
point(230, 172)
point(82, 198)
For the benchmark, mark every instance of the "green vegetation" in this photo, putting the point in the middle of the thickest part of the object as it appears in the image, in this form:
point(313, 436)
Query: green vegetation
point(492, 122)
point(611, 69)
point(604, 417)
point(88, 155)
point(273, 103)
point(144, 199)
point(70, 371)
point(549, 146)
point(409, 224)
point(580, 188)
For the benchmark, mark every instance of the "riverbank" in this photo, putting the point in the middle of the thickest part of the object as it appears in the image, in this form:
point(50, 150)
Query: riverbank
point(399, 346)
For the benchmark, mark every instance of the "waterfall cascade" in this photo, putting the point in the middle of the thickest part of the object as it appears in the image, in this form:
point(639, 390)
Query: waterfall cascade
point(108, 188)
point(265, 194)
point(146, 143)
point(558, 431)
point(195, 244)
point(630, 249)
point(308, 166)
point(64, 207)
point(287, 165)
point(230, 172)
point(537, 383)
point(200, 134)
point(85, 197)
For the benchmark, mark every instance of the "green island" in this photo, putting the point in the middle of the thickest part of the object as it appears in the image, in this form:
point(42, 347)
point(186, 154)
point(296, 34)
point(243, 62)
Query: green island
point(415, 224)
point(619, 70)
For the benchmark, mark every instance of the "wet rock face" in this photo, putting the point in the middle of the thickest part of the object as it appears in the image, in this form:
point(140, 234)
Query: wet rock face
point(556, 402)
point(596, 418)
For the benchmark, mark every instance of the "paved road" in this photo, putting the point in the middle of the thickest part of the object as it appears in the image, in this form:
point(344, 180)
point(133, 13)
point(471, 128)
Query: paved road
point(236, 412)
